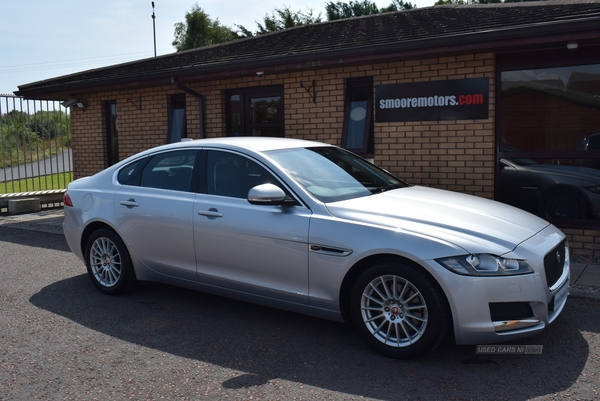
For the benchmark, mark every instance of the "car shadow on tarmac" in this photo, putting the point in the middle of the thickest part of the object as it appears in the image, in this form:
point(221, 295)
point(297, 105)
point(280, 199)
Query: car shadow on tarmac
point(33, 239)
point(270, 344)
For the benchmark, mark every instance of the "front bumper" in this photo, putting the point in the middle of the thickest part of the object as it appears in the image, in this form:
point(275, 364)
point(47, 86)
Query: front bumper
point(486, 310)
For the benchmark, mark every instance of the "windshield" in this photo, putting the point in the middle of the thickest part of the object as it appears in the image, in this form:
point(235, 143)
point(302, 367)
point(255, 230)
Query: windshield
point(333, 174)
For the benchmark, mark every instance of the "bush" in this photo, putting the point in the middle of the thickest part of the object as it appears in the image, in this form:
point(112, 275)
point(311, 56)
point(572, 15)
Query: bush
point(25, 138)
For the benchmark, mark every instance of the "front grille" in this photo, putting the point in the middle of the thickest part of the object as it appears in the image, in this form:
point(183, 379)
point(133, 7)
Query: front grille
point(554, 263)
point(500, 311)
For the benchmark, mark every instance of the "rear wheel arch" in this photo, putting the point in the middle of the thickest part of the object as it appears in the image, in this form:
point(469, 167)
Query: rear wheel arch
point(108, 261)
point(90, 229)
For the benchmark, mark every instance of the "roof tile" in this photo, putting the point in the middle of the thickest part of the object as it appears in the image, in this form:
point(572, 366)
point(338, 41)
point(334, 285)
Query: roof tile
point(313, 42)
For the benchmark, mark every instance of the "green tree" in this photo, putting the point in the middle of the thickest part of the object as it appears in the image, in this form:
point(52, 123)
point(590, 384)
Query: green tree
point(281, 18)
point(49, 124)
point(200, 30)
point(397, 5)
point(341, 10)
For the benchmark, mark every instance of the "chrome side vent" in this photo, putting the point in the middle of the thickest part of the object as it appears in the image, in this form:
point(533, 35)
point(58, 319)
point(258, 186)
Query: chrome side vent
point(330, 251)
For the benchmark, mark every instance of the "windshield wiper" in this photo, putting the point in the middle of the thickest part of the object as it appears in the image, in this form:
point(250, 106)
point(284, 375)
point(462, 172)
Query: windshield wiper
point(381, 189)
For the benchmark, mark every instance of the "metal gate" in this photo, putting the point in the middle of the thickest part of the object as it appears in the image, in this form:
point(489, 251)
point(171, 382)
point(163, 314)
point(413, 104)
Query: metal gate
point(35, 145)
point(35, 154)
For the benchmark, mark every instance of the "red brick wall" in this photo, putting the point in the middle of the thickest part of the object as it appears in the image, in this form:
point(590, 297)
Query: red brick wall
point(454, 155)
point(583, 242)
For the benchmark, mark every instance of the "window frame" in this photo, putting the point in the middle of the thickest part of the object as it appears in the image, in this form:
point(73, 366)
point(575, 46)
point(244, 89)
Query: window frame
point(353, 87)
point(111, 126)
point(246, 94)
point(540, 59)
point(176, 100)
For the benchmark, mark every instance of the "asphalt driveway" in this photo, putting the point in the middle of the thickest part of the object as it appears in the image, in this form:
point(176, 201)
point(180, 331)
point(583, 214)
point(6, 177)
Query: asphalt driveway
point(62, 339)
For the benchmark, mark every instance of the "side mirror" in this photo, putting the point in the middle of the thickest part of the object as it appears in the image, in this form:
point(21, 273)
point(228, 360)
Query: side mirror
point(268, 194)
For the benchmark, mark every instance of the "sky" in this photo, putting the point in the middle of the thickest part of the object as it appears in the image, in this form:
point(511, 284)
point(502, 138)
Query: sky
point(42, 39)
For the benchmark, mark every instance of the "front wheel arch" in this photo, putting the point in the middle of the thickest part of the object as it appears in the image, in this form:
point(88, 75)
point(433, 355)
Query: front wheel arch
point(573, 195)
point(361, 266)
point(399, 309)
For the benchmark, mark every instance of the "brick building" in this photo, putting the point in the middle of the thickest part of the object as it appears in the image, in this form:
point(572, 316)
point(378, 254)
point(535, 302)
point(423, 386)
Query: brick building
point(453, 97)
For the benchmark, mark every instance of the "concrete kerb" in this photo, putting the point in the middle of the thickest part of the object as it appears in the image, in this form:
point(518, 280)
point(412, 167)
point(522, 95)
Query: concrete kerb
point(30, 202)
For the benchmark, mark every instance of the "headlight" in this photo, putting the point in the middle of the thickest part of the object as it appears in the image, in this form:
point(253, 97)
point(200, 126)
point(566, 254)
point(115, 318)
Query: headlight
point(485, 265)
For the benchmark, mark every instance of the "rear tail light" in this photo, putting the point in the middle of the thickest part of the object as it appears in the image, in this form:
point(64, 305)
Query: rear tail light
point(67, 200)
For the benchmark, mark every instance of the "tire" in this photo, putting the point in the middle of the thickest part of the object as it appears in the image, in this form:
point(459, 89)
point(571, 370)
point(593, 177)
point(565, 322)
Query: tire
point(398, 310)
point(108, 263)
point(566, 204)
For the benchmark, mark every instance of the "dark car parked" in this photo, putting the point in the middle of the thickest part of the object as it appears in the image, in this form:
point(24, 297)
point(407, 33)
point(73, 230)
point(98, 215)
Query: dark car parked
point(551, 191)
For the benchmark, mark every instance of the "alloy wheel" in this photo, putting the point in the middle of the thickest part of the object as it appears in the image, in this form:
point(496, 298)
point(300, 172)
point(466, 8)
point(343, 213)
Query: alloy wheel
point(394, 311)
point(105, 262)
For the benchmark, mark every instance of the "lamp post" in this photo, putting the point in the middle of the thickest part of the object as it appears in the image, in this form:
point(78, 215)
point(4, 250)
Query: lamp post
point(154, 28)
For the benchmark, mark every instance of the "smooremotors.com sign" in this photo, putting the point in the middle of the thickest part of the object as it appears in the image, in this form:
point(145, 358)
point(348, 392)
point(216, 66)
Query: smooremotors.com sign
point(460, 99)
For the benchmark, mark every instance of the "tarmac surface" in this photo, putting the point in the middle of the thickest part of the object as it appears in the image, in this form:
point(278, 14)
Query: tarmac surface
point(585, 277)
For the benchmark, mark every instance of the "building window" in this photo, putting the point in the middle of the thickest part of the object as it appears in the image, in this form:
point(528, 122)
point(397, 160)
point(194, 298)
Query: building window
point(357, 134)
point(112, 133)
point(548, 133)
point(177, 121)
point(255, 112)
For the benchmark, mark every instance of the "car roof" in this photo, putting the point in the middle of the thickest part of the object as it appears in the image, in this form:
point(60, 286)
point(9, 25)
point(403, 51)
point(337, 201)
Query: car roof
point(254, 144)
point(259, 144)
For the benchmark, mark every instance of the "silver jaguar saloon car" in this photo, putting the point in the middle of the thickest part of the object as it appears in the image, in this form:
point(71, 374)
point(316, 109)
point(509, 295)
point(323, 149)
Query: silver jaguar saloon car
point(311, 228)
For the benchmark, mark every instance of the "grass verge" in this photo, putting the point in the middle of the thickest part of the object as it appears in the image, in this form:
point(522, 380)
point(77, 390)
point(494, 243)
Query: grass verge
point(41, 183)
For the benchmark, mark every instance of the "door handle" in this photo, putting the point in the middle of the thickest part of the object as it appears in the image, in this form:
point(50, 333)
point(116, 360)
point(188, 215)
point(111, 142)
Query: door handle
point(130, 203)
point(212, 212)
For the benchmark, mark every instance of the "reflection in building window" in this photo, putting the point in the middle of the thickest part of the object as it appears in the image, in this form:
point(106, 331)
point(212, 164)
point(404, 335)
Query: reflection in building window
point(255, 112)
point(357, 134)
point(177, 121)
point(264, 110)
point(549, 109)
point(551, 189)
point(112, 133)
point(235, 115)
point(549, 137)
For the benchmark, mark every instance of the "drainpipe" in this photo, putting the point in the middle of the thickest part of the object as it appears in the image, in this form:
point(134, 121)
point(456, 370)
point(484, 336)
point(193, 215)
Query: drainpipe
point(195, 94)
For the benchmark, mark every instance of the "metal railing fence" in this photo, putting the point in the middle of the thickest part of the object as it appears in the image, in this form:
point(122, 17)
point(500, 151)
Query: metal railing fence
point(35, 145)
